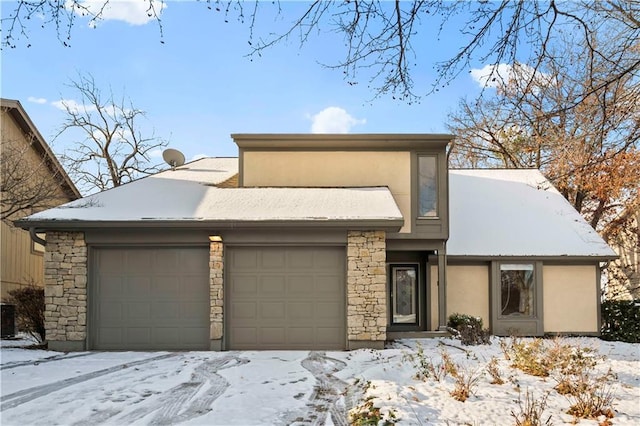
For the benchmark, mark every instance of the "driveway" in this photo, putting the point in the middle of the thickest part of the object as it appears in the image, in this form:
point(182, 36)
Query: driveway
point(301, 387)
point(288, 387)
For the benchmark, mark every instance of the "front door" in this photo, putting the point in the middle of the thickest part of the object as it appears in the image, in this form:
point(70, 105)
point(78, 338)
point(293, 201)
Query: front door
point(406, 294)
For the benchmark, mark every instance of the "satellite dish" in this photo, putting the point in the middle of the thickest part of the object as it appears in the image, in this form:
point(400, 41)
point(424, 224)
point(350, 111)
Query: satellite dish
point(173, 157)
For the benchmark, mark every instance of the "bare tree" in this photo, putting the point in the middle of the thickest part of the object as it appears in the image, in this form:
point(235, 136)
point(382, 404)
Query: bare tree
point(25, 187)
point(110, 148)
point(379, 36)
point(589, 151)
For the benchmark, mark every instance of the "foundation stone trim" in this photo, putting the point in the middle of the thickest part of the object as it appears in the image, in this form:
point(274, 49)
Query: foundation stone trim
point(366, 289)
point(65, 292)
point(216, 293)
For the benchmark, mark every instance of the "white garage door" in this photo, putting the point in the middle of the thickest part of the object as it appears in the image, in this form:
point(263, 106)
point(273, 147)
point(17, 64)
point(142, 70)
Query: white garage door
point(150, 298)
point(285, 298)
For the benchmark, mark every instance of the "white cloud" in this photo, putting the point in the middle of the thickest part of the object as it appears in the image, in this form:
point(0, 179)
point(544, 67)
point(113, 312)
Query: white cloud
point(334, 120)
point(37, 100)
point(133, 12)
point(74, 106)
point(502, 74)
point(156, 153)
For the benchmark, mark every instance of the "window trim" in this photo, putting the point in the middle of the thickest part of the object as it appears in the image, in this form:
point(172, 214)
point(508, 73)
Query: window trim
point(437, 187)
point(503, 325)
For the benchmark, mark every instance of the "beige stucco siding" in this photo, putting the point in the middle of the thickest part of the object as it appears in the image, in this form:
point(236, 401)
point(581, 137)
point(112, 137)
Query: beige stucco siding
point(333, 169)
point(468, 291)
point(570, 298)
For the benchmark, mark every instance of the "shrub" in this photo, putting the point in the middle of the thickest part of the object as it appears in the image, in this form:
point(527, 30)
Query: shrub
point(465, 383)
point(529, 357)
point(621, 320)
point(593, 399)
point(494, 372)
point(468, 329)
point(426, 368)
point(531, 411)
point(29, 303)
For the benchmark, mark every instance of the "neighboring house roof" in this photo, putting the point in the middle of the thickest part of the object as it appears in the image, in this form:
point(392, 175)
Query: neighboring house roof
point(17, 112)
point(516, 213)
point(190, 194)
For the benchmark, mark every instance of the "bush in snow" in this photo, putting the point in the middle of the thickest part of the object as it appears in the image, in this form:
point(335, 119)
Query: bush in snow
point(621, 320)
point(468, 329)
point(29, 303)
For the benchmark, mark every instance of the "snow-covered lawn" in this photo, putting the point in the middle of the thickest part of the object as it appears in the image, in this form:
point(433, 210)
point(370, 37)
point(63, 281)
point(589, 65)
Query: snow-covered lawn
point(293, 387)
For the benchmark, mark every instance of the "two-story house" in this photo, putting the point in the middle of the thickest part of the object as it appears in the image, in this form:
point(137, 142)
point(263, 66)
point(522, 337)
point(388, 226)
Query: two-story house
point(31, 180)
point(317, 242)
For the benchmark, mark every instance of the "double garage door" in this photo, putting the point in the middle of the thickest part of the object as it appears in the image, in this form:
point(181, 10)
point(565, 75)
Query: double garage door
point(276, 298)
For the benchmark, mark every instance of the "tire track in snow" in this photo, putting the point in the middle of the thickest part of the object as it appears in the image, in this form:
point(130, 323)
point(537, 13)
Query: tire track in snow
point(21, 397)
point(327, 392)
point(43, 360)
point(190, 399)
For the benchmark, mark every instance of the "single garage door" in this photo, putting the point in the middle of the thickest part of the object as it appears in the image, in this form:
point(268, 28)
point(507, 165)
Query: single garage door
point(150, 298)
point(285, 298)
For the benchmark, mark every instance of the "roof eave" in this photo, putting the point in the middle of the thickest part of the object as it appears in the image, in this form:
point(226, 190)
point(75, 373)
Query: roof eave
point(383, 224)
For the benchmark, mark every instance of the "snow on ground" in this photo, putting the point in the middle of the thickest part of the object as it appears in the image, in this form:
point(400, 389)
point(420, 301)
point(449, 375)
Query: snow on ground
point(287, 387)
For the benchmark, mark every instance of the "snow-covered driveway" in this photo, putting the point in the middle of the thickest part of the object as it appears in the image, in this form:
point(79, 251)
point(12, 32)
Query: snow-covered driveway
point(283, 387)
point(173, 387)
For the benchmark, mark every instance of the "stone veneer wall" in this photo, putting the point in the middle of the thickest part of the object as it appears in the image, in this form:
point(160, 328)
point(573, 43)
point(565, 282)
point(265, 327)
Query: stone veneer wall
point(366, 288)
point(65, 292)
point(216, 295)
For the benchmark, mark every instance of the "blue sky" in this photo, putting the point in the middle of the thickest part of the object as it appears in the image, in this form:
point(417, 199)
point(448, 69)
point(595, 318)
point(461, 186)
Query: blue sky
point(199, 86)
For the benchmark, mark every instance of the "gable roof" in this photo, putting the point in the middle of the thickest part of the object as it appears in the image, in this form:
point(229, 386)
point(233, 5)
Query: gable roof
point(190, 196)
point(516, 213)
point(22, 119)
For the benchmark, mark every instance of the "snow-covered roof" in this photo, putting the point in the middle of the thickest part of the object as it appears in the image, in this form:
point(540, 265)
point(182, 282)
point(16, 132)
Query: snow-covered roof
point(190, 194)
point(515, 213)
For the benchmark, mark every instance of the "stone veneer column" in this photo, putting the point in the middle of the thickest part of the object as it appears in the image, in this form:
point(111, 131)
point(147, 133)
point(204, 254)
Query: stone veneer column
point(216, 295)
point(366, 289)
point(65, 292)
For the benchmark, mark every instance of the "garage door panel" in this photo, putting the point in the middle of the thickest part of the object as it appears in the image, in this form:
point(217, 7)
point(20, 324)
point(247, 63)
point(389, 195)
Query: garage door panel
point(138, 261)
point(327, 311)
point(244, 261)
point(193, 311)
point(165, 287)
point(327, 259)
point(151, 299)
point(329, 284)
point(112, 286)
point(272, 310)
point(273, 259)
point(137, 287)
point(302, 335)
point(244, 310)
point(244, 285)
point(300, 259)
point(273, 286)
point(138, 311)
point(300, 285)
point(299, 311)
point(327, 336)
point(284, 307)
point(272, 336)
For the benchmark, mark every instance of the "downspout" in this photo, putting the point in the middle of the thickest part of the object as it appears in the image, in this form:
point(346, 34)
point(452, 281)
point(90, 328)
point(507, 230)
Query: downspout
point(35, 238)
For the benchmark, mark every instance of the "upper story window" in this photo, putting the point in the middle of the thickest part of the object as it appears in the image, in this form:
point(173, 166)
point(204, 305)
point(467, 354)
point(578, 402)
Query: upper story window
point(427, 186)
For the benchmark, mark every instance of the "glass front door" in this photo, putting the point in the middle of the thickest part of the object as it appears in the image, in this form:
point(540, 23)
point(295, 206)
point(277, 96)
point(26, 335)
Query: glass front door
point(404, 294)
